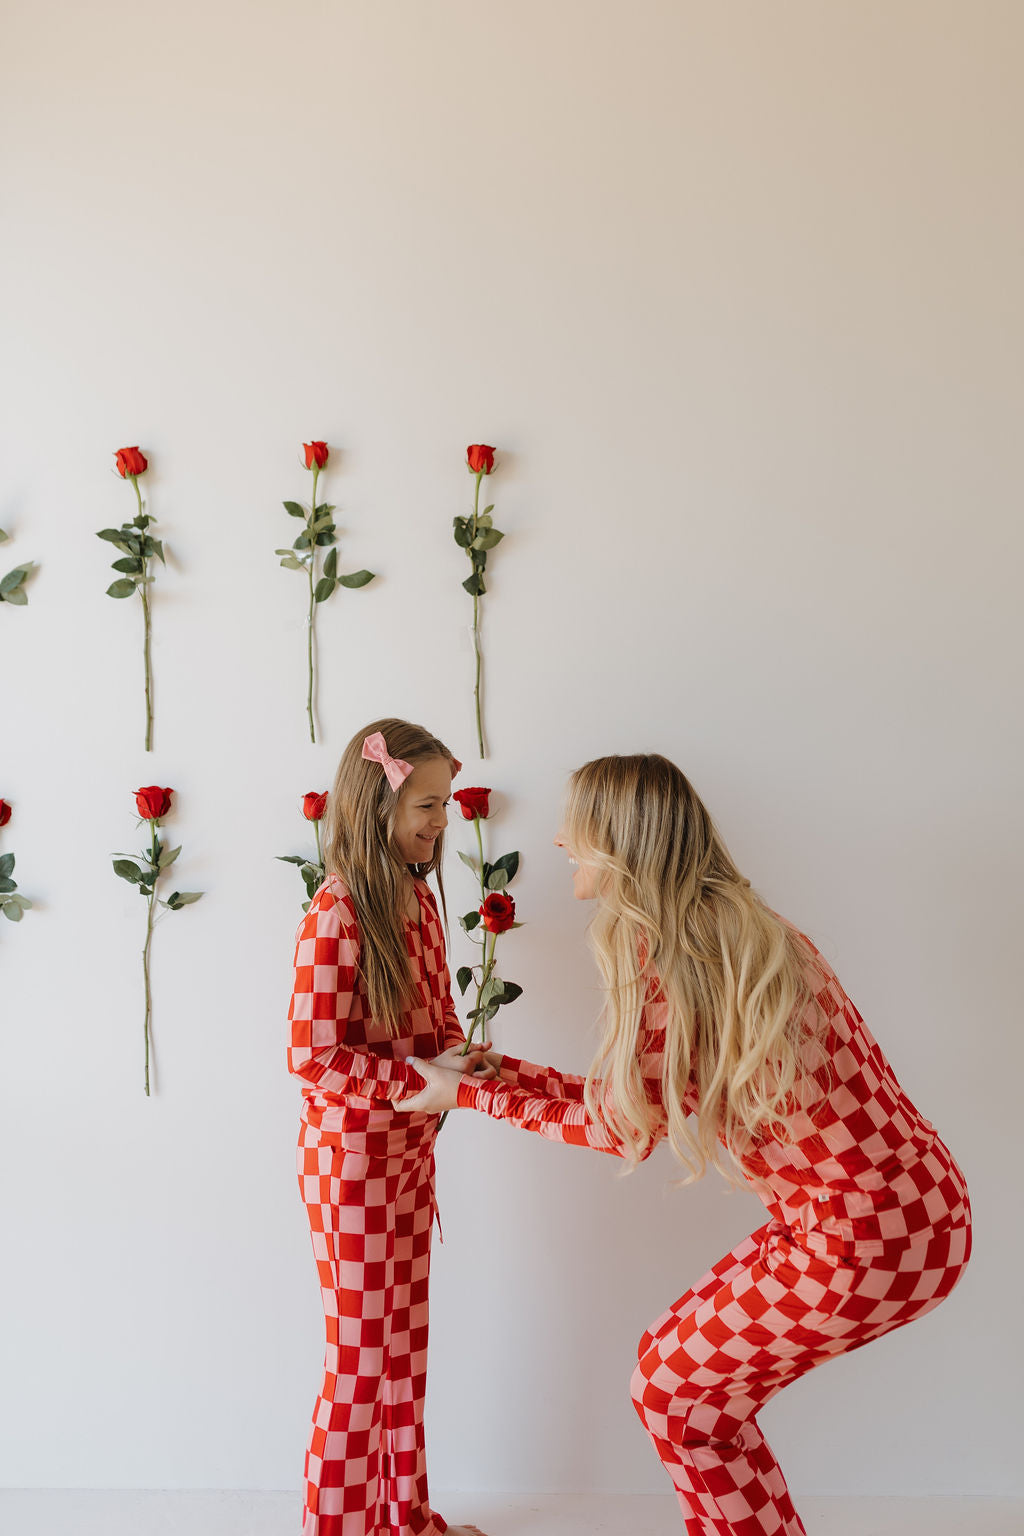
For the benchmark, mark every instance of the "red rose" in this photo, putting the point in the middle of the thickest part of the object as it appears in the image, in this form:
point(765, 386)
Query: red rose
point(313, 805)
point(153, 802)
point(480, 458)
point(498, 912)
point(5, 813)
point(316, 453)
point(130, 462)
point(473, 803)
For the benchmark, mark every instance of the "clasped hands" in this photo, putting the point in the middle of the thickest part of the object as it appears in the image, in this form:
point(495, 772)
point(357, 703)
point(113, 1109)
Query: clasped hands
point(442, 1076)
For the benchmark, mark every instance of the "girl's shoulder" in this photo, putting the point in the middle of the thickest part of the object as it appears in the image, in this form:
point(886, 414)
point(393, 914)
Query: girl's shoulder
point(332, 895)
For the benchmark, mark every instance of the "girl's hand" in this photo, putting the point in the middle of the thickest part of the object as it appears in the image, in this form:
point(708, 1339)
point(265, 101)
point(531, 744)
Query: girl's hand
point(442, 1090)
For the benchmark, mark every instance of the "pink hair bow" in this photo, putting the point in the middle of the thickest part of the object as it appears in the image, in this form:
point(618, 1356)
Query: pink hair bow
point(375, 750)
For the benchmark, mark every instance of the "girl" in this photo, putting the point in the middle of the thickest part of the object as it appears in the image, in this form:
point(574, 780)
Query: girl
point(719, 1010)
point(372, 989)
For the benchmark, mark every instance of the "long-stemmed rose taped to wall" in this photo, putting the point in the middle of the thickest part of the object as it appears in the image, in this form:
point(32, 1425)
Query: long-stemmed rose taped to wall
point(138, 547)
point(495, 915)
point(314, 804)
point(476, 535)
point(143, 871)
point(319, 532)
point(12, 586)
point(12, 904)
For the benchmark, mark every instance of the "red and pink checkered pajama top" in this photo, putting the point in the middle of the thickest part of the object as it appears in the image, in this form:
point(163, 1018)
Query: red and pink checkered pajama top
point(351, 1068)
point(860, 1168)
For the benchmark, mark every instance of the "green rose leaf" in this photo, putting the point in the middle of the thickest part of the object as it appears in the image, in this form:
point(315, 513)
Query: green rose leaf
point(7, 885)
point(463, 532)
point(470, 921)
point(126, 870)
point(488, 538)
point(290, 858)
point(324, 587)
point(331, 564)
point(326, 536)
point(6, 864)
point(302, 542)
point(508, 862)
point(325, 507)
point(182, 898)
point(122, 588)
point(357, 578)
point(487, 511)
point(14, 578)
point(167, 857)
point(469, 863)
point(290, 563)
point(154, 547)
point(13, 910)
point(3, 536)
point(474, 585)
point(497, 879)
point(510, 991)
point(291, 507)
point(463, 976)
point(17, 596)
point(130, 563)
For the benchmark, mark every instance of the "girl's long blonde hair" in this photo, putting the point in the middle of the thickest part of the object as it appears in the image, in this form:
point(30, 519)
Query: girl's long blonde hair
point(675, 912)
point(359, 847)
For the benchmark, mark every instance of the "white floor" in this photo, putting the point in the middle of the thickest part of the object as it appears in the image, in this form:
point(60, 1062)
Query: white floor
point(31, 1512)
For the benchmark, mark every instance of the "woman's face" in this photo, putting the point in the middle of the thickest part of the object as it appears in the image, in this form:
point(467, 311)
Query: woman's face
point(584, 876)
point(422, 810)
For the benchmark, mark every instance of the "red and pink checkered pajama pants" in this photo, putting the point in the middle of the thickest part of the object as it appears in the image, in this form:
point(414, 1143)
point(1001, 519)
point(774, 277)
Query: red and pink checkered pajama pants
point(767, 1313)
point(371, 1219)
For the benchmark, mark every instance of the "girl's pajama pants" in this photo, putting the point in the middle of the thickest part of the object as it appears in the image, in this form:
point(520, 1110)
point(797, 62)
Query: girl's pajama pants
point(767, 1313)
point(370, 1218)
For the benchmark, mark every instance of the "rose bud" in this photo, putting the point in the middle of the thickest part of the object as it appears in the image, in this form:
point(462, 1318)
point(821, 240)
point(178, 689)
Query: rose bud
point(5, 813)
point(130, 462)
point(153, 802)
point(313, 805)
point(498, 912)
point(473, 803)
point(480, 458)
point(316, 453)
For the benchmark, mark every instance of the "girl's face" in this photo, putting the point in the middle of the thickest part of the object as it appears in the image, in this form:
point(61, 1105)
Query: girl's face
point(584, 876)
point(422, 810)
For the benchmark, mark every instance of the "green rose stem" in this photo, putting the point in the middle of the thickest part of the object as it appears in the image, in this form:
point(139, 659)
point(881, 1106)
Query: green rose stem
point(154, 859)
point(476, 633)
point(309, 621)
point(147, 630)
point(319, 851)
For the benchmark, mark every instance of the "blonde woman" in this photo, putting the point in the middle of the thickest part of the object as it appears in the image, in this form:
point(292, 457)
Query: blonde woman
point(727, 1032)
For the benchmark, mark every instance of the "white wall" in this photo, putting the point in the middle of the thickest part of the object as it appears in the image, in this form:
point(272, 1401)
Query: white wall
point(735, 290)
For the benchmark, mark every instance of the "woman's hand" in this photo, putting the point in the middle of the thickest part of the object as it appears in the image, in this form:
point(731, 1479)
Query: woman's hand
point(457, 1059)
point(442, 1090)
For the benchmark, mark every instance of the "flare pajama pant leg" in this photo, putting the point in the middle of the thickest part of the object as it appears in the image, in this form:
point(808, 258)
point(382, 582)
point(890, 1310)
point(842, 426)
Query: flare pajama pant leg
point(762, 1317)
point(370, 1219)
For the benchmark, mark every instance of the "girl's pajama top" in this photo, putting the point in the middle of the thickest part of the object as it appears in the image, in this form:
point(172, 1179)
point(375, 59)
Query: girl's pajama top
point(869, 1227)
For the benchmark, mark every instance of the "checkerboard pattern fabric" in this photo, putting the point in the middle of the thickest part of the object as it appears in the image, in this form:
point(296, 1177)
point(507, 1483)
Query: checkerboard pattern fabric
point(366, 1176)
point(870, 1227)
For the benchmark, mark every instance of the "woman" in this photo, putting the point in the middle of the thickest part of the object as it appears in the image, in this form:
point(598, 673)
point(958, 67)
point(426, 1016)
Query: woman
point(727, 1032)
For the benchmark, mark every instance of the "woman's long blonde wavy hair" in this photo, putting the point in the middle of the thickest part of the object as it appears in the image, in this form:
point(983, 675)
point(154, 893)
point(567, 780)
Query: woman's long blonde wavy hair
point(675, 912)
point(359, 847)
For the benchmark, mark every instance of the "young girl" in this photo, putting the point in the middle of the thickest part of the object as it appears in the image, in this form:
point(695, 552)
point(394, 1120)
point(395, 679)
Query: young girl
point(371, 991)
point(719, 1010)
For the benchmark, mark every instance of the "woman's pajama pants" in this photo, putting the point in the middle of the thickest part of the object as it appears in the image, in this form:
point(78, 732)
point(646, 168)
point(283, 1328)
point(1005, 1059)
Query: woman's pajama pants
point(767, 1313)
point(371, 1220)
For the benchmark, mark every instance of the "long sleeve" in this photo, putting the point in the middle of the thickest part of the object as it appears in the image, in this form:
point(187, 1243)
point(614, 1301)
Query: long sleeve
point(547, 1081)
point(559, 1119)
point(323, 1000)
point(550, 1103)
